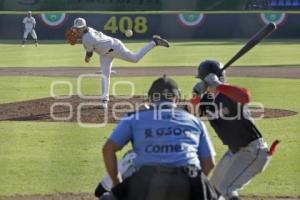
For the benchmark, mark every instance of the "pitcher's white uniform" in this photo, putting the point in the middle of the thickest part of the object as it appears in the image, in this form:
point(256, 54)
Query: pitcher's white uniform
point(29, 24)
point(109, 48)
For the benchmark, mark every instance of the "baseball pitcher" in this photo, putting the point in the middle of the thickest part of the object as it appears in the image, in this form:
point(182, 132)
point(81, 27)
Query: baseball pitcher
point(107, 48)
point(29, 26)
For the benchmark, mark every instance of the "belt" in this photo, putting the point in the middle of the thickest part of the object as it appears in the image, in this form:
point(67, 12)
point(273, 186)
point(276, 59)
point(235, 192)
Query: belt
point(163, 169)
point(109, 51)
point(254, 141)
point(190, 169)
point(234, 149)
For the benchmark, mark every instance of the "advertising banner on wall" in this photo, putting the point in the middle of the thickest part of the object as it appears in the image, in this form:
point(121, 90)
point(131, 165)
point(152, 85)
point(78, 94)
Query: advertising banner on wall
point(52, 26)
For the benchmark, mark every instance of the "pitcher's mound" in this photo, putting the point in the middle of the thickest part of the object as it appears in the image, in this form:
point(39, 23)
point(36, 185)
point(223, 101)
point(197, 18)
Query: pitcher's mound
point(76, 109)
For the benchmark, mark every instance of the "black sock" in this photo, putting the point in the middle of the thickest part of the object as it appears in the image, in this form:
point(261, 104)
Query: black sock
point(100, 190)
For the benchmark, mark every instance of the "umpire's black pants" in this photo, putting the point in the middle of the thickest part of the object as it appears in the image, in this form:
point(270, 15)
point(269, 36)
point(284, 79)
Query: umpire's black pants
point(165, 183)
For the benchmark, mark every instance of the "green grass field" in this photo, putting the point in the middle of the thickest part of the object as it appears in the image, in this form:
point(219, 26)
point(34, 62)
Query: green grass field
point(46, 158)
point(49, 54)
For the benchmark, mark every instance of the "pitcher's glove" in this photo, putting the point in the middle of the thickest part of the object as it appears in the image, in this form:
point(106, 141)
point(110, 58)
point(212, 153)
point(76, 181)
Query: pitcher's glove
point(71, 36)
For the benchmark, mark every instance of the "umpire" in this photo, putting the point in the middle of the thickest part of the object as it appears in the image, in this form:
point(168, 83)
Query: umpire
point(174, 151)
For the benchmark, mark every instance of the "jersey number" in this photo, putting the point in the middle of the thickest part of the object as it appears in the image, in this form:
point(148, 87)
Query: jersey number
point(138, 24)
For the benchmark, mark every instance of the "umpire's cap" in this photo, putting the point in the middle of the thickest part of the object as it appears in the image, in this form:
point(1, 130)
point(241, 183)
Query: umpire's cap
point(210, 66)
point(163, 89)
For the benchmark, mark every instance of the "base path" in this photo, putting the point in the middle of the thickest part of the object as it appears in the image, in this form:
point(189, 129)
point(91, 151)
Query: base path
point(259, 71)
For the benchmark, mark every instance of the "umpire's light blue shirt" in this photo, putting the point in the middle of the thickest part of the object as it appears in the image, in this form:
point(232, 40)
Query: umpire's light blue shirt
point(168, 136)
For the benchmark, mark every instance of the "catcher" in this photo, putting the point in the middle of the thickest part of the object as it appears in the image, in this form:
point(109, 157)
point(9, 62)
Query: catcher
point(125, 168)
point(107, 48)
point(248, 153)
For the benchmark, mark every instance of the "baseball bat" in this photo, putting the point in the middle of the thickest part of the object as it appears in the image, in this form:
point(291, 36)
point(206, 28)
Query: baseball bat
point(254, 40)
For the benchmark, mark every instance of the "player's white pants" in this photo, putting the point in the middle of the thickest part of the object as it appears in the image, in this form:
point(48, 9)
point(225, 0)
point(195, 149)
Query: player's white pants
point(234, 171)
point(32, 32)
point(106, 64)
point(121, 52)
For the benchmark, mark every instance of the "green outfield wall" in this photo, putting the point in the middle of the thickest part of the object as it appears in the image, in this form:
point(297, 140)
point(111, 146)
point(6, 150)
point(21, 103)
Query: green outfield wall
point(174, 26)
point(148, 5)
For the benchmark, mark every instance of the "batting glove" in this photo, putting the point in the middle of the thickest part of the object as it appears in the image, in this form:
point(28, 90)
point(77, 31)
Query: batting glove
point(200, 88)
point(212, 80)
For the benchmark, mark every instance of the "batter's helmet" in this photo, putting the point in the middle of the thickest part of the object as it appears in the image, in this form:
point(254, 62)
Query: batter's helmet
point(163, 89)
point(210, 66)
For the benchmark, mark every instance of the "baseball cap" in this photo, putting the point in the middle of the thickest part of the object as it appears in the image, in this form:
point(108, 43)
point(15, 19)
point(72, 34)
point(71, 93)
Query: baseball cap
point(29, 12)
point(79, 23)
point(163, 89)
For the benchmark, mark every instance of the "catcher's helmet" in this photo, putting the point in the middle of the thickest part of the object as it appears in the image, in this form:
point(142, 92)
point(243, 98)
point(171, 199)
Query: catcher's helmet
point(210, 66)
point(163, 89)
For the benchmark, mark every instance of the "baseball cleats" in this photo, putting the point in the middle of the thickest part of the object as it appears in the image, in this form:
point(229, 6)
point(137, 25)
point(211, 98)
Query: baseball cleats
point(160, 41)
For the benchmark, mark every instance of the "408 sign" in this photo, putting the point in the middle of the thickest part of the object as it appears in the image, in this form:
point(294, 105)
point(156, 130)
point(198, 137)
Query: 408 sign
point(139, 24)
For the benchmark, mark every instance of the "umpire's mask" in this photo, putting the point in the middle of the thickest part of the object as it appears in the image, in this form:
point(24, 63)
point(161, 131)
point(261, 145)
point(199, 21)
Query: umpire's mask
point(163, 89)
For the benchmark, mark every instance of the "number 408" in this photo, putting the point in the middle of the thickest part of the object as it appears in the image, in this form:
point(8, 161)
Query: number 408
point(137, 24)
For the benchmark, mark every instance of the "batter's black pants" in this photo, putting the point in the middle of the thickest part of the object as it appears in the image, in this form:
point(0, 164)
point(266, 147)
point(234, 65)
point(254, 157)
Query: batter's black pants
point(165, 183)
